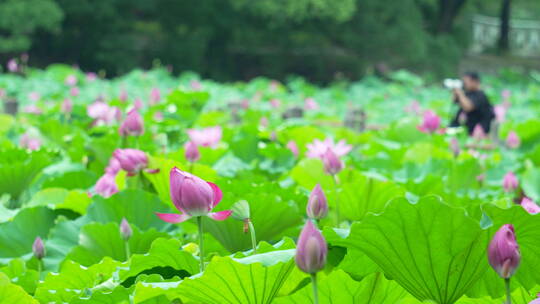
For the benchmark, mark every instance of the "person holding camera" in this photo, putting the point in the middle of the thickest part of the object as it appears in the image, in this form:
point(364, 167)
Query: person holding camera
point(474, 106)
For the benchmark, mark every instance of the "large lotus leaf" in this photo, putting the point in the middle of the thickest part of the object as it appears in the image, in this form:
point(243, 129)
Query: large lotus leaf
point(19, 274)
point(153, 289)
point(527, 229)
point(11, 293)
point(361, 194)
point(432, 250)
point(301, 135)
point(310, 172)
point(254, 279)
point(63, 237)
point(97, 241)
point(60, 198)
point(530, 181)
point(83, 179)
point(338, 287)
point(74, 280)
point(136, 206)
point(271, 213)
point(17, 236)
point(18, 169)
point(163, 253)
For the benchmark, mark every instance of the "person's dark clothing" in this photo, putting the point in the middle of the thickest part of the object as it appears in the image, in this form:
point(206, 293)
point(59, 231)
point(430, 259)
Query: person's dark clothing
point(482, 113)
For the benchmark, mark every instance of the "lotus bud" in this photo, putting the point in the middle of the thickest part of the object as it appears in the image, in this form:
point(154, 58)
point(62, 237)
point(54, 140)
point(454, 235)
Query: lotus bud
point(430, 122)
point(191, 152)
point(133, 125)
point(67, 106)
point(530, 206)
point(311, 250)
point(38, 249)
point(512, 140)
point(155, 96)
point(125, 230)
point(317, 207)
point(510, 182)
point(131, 160)
point(291, 145)
point(332, 164)
point(106, 185)
point(503, 252)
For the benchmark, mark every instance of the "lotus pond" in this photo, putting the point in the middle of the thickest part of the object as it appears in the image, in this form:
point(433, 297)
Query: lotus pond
point(151, 188)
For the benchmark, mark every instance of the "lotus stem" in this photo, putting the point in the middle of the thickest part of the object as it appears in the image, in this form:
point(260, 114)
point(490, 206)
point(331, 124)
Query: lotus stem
point(336, 185)
point(508, 293)
point(253, 236)
point(315, 289)
point(191, 167)
point(128, 252)
point(201, 241)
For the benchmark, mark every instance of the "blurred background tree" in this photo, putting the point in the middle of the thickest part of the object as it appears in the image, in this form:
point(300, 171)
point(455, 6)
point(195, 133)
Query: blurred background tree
point(239, 39)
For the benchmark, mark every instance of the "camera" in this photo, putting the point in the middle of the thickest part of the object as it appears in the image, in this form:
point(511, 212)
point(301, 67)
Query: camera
point(452, 84)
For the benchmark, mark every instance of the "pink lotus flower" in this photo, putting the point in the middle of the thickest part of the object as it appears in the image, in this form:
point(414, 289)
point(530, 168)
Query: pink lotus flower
point(291, 145)
point(34, 96)
point(67, 106)
point(317, 207)
point(208, 137)
point(155, 96)
point(536, 301)
point(195, 85)
point(12, 65)
point(113, 167)
point(74, 91)
point(123, 95)
point(478, 132)
point(503, 252)
point(193, 197)
point(106, 185)
point(311, 250)
point(133, 125)
point(430, 123)
point(138, 104)
point(332, 164)
point(32, 109)
point(275, 103)
point(191, 152)
point(91, 76)
point(131, 160)
point(510, 182)
point(530, 206)
point(38, 249)
point(310, 104)
point(512, 140)
point(103, 113)
point(30, 142)
point(318, 148)
point(244, 104)
point(500, 113)
point(125, 230)
point(71, 80)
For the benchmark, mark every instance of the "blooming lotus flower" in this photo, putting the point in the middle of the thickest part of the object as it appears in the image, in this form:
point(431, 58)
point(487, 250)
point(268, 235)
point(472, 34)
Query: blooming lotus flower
point(106, 185)
point(311, 250)
point(500, 113)
point(67, 106)
point(512, 140)
point(71, 80)
point(103, 113)
point(12, 65)
point(133, 124)
point(478, 132)
point(38, 249)
point(32, 109)
point(332, 164)
point(208, 137)
point(131, 160)
point(113, 167)
point(193, 197)
point(310, 104)
point(155, 96)
point(318, 148)
point(530, 206)
point(191, 152)
point(536, 301)
point(125, 230)
point(510, 182)
point(30, 142)
point(291, 145)
point(91, 76)
point(503, 252)
point(317, 207)
point(430, 122)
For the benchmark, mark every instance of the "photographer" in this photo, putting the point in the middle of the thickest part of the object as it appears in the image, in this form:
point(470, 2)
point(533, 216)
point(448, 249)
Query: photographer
point(473, 103)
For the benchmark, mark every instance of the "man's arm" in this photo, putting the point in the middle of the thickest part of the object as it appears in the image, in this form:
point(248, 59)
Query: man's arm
point(465, 103)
